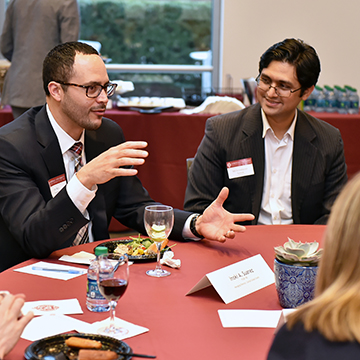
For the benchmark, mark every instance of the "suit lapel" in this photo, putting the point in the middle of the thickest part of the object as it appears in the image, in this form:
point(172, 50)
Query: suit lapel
point(51, 152)
point(304, 155)
point(253, 144)
point(53, 159)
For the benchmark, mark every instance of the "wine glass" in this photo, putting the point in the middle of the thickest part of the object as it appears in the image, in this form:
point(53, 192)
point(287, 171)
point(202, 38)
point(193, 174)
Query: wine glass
point(158, 220)
point(112, 279)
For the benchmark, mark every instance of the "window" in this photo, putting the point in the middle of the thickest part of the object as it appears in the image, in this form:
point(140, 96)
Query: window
point(166, 47)
point(162, 46)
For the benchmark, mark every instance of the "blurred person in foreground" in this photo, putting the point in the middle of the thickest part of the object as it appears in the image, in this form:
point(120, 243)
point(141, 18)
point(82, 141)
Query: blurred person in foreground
point(328, 327)
point(279, 163)
point(46, 201)
point(31, 29)
point(12, 322)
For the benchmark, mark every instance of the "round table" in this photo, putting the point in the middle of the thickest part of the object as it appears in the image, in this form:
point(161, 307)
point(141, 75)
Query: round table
point(180, 326)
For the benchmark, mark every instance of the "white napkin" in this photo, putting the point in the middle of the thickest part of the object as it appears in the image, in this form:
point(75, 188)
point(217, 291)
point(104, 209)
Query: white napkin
point(130, 329)
point(168, 260)
point(81, 257)
point(249, 318)
point(53, 324)
point(216, 105)
point(47, 307)
point(123, 86)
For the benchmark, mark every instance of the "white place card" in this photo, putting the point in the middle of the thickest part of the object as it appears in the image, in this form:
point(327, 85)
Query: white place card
point(249, 318)
point(237, 280)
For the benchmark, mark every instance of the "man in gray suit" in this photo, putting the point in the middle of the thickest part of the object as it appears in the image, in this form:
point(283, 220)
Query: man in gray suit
point(279, 163)
point(31, 29)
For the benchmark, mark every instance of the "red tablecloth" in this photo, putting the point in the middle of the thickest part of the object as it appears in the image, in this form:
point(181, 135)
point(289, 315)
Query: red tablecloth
point(181, 327)
point(173, 137)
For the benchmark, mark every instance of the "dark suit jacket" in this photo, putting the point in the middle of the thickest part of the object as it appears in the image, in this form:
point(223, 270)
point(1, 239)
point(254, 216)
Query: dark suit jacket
point(32, 222)
point(298, 344)
point(318, 167)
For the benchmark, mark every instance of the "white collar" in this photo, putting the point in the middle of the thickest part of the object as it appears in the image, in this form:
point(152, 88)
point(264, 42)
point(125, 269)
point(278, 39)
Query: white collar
point(266, 126)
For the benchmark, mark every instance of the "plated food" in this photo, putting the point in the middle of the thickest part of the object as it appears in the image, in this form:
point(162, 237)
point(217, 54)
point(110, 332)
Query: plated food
point(137, 248)
point(78, 346)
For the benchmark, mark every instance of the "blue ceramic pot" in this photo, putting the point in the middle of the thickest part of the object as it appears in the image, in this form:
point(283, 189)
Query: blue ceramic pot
point(295, 285)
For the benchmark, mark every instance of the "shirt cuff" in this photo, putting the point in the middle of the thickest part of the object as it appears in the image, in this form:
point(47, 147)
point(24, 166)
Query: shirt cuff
point(187, 233)
point(80, 195)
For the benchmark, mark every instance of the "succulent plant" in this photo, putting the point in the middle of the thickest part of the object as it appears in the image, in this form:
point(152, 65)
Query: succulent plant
point(298, 253)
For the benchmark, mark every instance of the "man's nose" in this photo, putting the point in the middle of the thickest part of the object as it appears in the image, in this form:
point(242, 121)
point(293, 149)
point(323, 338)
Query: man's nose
point(272, 91)
point(103, 96)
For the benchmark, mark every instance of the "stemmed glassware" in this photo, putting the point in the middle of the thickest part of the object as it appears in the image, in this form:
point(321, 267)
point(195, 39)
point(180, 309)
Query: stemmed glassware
point(112, 278)
point(158, 220)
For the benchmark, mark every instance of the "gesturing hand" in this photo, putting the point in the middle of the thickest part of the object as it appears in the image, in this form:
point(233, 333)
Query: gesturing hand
point(218, 224)
point(110, 163)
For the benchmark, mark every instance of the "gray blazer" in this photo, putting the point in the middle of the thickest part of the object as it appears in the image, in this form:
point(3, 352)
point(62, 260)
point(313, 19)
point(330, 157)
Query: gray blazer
point(318, 170)
point(31, 29)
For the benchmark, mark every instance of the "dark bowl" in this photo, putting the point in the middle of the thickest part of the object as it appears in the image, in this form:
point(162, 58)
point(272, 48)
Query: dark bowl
point(56, 344)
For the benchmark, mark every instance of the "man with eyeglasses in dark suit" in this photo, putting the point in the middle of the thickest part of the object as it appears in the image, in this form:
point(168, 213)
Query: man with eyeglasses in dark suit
point(65, 170)
point(279, 163)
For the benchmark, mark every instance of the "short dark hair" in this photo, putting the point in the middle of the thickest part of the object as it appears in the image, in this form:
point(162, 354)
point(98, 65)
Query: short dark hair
point(58, 63)
point(297, 53)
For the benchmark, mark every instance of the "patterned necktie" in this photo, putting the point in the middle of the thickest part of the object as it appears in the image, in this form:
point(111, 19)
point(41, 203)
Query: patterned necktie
point(76, 149)
point(83, 235)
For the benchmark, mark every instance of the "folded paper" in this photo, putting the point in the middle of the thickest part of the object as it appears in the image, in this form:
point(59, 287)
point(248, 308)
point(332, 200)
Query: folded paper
point(237, 280)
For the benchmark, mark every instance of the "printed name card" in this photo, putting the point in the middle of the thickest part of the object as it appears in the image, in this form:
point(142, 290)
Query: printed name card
point(238, 280)
point(240, 168)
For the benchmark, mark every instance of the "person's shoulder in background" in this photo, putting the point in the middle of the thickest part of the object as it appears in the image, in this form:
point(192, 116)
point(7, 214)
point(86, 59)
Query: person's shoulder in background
point(298, 344)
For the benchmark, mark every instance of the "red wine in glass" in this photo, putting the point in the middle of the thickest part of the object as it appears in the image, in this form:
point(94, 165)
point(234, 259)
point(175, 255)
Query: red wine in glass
point(112, 279)
point(112, 289)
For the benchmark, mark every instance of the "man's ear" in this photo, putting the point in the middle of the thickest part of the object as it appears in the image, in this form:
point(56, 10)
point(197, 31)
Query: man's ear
point(307, 92)
point(56, 91)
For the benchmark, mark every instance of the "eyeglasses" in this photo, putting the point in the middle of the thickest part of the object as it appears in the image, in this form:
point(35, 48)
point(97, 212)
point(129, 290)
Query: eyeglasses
point(281, 90)
point(93, 91)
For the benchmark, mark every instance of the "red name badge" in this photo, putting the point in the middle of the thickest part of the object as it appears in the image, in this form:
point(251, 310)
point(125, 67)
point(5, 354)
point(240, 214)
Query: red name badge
point(56, 184)
point(240, 168)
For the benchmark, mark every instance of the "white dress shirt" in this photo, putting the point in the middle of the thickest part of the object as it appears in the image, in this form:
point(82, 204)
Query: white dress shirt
point(276, 198)
point(78, 193)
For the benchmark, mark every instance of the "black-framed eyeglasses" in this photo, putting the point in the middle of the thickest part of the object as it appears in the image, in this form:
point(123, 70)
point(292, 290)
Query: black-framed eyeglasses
point(264, 84)
point(93, 91)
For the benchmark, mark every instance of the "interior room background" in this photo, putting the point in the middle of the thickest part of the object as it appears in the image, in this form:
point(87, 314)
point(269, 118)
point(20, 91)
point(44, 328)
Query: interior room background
point(247, 28)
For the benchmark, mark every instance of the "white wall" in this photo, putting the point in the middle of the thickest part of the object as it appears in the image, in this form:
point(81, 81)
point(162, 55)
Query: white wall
point(331, 27)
